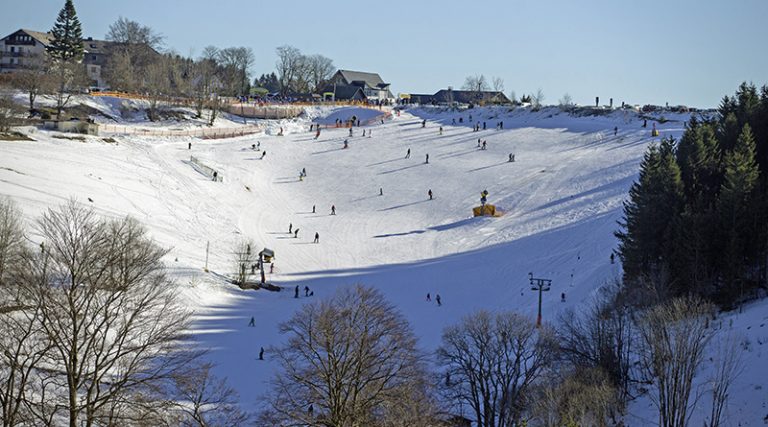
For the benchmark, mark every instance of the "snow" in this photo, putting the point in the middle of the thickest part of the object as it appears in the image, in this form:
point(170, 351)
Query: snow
point(561, 199)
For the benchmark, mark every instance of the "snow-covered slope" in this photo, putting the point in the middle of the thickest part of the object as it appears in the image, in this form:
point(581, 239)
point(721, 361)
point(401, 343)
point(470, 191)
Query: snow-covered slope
point(561, 199)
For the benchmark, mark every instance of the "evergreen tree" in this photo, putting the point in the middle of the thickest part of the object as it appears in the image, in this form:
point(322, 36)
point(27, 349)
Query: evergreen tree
point(736, 206)
point(67, 42)
point(655, 201)
point(66, 51)
point(698, 155)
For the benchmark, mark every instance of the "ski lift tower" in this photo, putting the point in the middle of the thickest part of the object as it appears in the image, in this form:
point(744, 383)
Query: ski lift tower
point(541, 285)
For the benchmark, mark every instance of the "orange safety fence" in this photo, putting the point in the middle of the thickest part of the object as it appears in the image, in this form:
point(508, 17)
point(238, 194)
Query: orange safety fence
point(205, 133)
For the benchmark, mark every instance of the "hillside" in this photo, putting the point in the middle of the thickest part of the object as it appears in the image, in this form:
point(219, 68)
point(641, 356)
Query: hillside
point(561, 199)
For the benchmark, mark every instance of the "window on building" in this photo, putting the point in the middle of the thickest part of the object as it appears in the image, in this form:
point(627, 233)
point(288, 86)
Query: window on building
point(13, 49)
point(94, 57)
point(94, 70)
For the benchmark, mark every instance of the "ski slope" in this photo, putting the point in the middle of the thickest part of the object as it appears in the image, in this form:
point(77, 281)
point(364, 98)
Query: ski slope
point(561, 199)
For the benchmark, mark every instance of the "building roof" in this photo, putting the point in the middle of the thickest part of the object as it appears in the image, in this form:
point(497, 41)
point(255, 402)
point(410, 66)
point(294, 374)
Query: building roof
point(44, 38)
point(370, 79)
point(345, 91)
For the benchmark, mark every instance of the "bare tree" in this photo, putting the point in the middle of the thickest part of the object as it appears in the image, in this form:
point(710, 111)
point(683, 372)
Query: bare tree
point(129, 32)
point(566, 102)
point(9, 110)
point(601, 336)
point(537, 100)
point(491, 362)
point(476, 83)
point(121, 73)
point(236, 63)
point(321, 69)
point(675, 336)
point(109, 314)
point(205, 400)
point(288, 66)
point(12, 243)
point(498, 84)
point(158, 81)
point(350, 357)
point(33, 78)
point(728, 366)
point(513, 97)
point(583, 397)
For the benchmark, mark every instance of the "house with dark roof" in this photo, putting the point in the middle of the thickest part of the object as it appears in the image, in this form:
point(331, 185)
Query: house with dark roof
point(22, 48)
point(371, 85)
point(339, 92)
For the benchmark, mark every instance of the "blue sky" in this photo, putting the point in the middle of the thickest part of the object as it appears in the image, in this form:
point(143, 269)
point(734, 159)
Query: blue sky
point(682, 52)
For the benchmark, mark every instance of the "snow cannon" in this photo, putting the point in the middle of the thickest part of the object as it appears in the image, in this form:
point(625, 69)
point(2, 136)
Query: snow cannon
point(486, 210)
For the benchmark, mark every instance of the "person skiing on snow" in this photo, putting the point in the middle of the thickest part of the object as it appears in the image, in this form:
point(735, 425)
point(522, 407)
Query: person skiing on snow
point(252, 322)
point(484, 145)
point(350, 131)
point(453, 121)
point(313, 209)
point(437, 298)
point(296, 233)
point(271, 268)
point(428, 297)
point(306, 291)
point(562, 297)
point(612, 258)
point(441, 130)
point(317, 134)
point(290, 227)
point(424, 123)
point(408, 154)
point(189, 146)
point(296, 292)
point(427, 161)
point(483, 125)
point(381, 191)
point(261, 354)
point(430, 194)
point(510, 158)
point(346, 143)
point(263, 154)
point(333, 209)
point(363, 132)
point(317, 237)
point(615, 130)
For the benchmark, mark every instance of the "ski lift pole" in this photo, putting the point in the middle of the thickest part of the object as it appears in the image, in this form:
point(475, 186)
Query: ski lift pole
point(541, 285)
point(207, 246)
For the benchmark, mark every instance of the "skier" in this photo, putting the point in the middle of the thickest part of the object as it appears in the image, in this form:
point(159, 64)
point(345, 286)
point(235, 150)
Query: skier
point(615, 130)
point(645, 122)
point(263, 154)
point(453, 121)
point(189, 146)
point(306, 291)
point(510, 158)
point(408, 154)
point(271, 268)
point(441, 130)
point(381, 191)
point(350, 131)
point(313, 209)
point(317, 237)
point(437, 298)
point(478, 142)
point(304, 171)
point(428, 297)
point(252, 322)
point(346, 143)
point(215, 175)
point(258, 145)
point(562, 297)
point(430, 194)
point(501, 124)
point(261, 354)
point(333, 209)
point(427, 161)
point(290, 227)
point(317, 134)
point(363, 132)
point(424, 123)
point(253, 147)
point(296, 292)
point(296, 233)
point(612, 258)
point(483, 125)
point(484, 146)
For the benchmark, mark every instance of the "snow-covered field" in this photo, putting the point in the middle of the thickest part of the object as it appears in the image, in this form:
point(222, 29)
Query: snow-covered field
point(561, 200)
